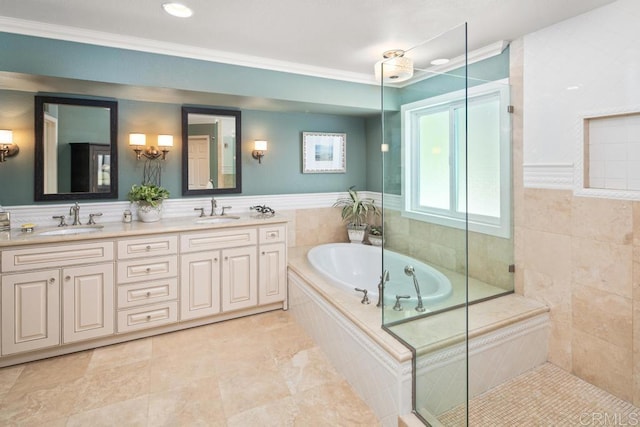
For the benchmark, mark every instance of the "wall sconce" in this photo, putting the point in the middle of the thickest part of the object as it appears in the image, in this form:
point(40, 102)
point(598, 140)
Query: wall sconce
point(259, 147)
point(7, 147)
point(137, 140)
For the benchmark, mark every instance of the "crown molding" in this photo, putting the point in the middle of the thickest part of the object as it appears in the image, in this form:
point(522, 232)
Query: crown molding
point(99, 38)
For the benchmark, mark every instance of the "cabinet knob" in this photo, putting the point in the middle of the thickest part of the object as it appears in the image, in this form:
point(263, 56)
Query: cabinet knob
point(148, 247)
point(226, 258)
point(272, 234)
point(148, 269)
point(148, 294)
point(67, 278)
point(215, 259)
point(52, 280)
point(262, 252)
point(148, 317)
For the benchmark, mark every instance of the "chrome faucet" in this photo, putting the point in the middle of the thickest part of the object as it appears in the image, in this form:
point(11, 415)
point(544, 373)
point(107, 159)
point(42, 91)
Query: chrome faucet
point(383, 279)
point(75, 211)
point(410, 271)
point(214, 205)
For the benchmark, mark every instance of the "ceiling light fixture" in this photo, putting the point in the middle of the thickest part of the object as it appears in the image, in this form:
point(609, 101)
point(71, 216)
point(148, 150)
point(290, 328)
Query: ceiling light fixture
point(440, 61)
point(395, 67)
point(177, 9)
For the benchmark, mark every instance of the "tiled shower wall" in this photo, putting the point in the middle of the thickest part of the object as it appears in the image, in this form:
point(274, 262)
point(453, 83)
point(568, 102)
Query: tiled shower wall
point(577, 254)
point(581, 257)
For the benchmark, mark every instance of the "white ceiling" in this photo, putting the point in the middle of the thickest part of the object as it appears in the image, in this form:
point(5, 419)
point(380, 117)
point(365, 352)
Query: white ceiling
point(333, 38)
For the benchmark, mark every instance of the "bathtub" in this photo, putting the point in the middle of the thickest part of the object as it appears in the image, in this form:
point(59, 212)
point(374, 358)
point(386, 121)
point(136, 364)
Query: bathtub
point(349, 266)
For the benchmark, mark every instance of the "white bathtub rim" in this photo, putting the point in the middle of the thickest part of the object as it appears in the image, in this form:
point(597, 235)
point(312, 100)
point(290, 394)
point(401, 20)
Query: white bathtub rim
point(443, 285)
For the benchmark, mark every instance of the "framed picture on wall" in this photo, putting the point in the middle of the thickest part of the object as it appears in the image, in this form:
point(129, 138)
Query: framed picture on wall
point(324, 152)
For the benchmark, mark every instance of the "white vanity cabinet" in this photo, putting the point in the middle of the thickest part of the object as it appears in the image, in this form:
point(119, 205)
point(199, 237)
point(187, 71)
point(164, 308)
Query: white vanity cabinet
point(87, 302)
point(31, 294)
point(30, 311)
point(218, 271)
point(128, 282)
point(272, 279)
point(147, 290)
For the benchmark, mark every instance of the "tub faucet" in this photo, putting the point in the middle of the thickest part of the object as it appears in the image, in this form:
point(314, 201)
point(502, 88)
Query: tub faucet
point(75, 211)
point(383, 279)
point(365, 298)
point(410, 271)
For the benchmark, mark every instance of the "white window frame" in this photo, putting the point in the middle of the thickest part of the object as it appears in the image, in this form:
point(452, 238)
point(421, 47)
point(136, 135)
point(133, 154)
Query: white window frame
point(500, 227)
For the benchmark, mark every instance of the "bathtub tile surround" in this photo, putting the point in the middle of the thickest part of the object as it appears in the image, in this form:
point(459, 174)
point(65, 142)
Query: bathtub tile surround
point(379, 367)
point(581, 259)
point(445, 247)
point(185, 378)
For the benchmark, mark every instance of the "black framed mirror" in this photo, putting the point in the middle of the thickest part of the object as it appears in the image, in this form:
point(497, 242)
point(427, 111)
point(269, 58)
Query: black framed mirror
point(76, 150)
point(211, 161)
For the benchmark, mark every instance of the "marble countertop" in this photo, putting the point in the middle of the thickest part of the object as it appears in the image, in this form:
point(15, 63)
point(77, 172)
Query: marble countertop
point(16, 237)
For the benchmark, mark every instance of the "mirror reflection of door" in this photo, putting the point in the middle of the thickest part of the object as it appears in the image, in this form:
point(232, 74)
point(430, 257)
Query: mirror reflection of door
point(50, 153)
point(199, 162)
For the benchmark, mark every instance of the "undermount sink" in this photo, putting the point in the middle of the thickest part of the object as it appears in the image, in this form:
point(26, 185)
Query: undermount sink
point(65, 231)
point(217, 219)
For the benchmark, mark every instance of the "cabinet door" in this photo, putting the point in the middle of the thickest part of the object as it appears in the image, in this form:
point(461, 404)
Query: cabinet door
point(272, 279)
point(87, 302)
point(199, 285)
point(239, 278)
point(30, 311)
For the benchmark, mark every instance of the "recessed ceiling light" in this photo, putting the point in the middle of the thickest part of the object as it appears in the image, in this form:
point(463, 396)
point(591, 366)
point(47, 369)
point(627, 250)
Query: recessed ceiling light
point(439, 61)
point(177, 9)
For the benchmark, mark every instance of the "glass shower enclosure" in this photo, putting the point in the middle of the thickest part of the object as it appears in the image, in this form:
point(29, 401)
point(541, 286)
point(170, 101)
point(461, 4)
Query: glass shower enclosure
point(447, 232)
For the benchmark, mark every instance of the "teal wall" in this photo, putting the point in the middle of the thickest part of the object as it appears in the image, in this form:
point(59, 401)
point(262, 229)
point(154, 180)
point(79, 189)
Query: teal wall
point(280, 171)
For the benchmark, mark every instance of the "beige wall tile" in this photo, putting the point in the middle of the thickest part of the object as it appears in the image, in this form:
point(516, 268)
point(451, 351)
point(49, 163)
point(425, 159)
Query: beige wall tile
point(636, 354)
point(603, 314)
point(635, 207)
point(560, 344)
point(603, 364)
point(602, 265)
point(548, 253)
point(602, 219)
point(547, 210)
point(318, 226)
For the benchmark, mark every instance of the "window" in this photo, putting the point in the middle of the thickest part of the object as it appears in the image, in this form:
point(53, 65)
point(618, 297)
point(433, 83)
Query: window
point(436, 178)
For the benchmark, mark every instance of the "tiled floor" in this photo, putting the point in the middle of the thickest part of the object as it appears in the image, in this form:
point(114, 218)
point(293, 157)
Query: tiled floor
point(546, 396)
point(260, 370)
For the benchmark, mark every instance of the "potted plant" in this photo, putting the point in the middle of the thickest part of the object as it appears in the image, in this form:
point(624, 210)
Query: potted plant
point(375, 235)
point(148, 198)
point(355, 211)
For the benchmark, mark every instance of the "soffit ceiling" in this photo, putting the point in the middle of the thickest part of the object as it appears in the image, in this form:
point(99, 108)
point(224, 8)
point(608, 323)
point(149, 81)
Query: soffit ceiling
point(339, 39)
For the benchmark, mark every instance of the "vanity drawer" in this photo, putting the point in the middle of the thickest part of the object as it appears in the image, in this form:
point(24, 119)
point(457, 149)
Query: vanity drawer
point(218, 239)
point(47, 256)
point(156, 291)
point(149, 246)
point(148, 316)
point(147, 269)
point(272, 234)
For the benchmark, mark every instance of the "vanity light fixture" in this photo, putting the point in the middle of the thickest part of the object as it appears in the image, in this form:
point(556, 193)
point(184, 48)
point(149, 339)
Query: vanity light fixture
point(178, 10)
point(138, 140)
point(394, 68)
point(259, 147)
point(7, 147)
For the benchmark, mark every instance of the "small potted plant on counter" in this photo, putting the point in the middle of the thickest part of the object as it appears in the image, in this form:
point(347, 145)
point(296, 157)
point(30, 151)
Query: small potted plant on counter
point(375, 235)
point(148, 198)
point(355, 211)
